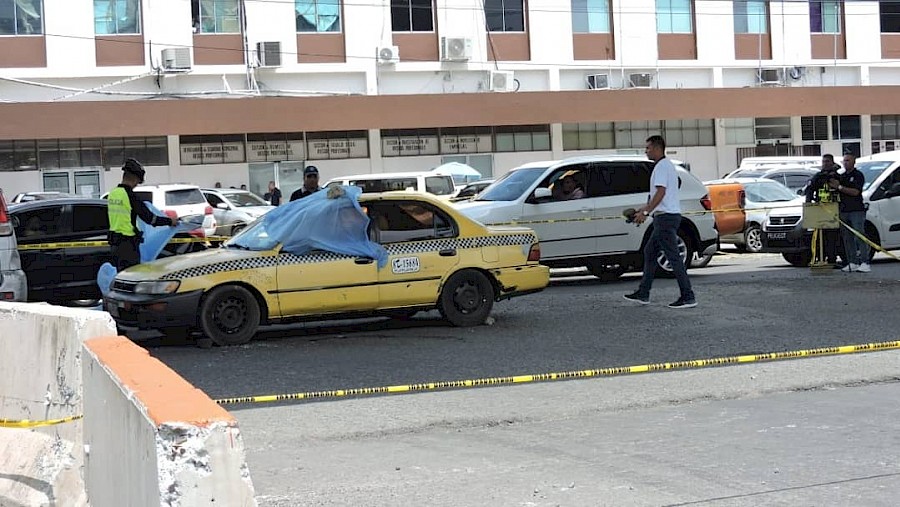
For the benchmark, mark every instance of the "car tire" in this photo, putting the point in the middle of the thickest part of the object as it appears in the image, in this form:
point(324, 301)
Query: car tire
point(237, 228)
point(605, 272)
point(753, 239)
point(701, 261)
point(229, 315)
point(467, 298)
point(798, 259)
point(684, 249)
point(872, 235)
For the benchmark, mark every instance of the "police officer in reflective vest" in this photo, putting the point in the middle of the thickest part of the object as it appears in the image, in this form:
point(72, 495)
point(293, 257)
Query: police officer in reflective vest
point(124, 209)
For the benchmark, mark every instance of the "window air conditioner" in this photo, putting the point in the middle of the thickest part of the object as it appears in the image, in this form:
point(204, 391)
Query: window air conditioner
point(387, 54)
point(598, 81)
point(456, 49)
point(502, 81)
point(269, 53)
point(642, 80)
point(770, 76)
point(176, 59)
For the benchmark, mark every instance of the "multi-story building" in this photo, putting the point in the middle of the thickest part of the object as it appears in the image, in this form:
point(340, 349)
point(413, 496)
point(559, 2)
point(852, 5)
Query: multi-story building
point(244, 91)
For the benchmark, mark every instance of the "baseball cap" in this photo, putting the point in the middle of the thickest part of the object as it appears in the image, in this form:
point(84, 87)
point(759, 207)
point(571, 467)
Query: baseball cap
point(311, 169)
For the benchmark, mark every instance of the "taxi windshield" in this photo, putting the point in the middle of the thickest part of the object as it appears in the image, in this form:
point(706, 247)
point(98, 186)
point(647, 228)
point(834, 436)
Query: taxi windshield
point(254, 237)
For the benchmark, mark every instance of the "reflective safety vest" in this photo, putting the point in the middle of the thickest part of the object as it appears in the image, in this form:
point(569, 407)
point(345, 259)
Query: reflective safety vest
point(119, 209)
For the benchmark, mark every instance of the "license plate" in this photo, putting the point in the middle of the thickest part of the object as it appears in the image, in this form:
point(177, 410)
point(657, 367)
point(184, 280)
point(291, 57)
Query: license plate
point(776, 235)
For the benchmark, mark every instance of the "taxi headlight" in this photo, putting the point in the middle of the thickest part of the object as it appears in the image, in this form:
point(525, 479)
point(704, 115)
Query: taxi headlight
point(157, 287)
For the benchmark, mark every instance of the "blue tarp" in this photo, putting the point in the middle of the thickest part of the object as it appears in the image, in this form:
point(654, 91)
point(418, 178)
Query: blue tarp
point(330, 220)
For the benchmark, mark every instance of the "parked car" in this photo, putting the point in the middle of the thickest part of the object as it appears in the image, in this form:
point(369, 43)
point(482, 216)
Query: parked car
point(795, 177)
point(234, 209)
point(67, 275)
point(759, 196)
point(13, 286)
point(38, 196)
point(783, 231)
point(430, 182)
point(577, 232)
point(179, 201)
point(471, 190)
point(774, 162)
point(438, 258)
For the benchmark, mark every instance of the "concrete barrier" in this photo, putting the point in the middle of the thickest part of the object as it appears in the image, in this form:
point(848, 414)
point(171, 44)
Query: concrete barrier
point(152, 438)
point(40, 378)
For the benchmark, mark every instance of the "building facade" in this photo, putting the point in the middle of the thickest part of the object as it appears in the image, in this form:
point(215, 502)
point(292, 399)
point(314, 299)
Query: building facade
point(415, 53)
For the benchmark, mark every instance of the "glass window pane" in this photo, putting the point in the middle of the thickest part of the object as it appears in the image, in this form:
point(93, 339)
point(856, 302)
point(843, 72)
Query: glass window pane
point(523, 141)
point(540, 141)
point(400, 17)
point(513, 16)
point(587, 140)
point(505, 142)
point(570, 140)
point(493, 15)
point(422, 16)
point(48, 154)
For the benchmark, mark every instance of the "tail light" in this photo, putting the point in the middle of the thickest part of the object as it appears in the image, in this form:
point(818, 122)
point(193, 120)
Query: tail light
point(534, 255)
point(208, 210)
point(706, 202)
point(5, 227)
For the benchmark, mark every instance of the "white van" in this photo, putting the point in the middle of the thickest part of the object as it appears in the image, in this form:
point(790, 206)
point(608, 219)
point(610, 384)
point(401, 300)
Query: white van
point(429, 182)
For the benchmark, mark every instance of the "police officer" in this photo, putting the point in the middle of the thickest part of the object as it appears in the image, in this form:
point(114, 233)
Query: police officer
point(310, 183)
point(818, 190)
point(124, 209)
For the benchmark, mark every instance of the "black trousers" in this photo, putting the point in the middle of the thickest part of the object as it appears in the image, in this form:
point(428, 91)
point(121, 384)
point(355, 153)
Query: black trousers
point(125, 252)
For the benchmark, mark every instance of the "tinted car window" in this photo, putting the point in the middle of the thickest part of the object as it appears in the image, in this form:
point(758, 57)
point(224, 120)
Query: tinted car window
point(386, 185)
point(213, 199)
point(39, 223)
point(144, 196)
point(619, 178)
point(185, 196)
point(439, 185)
point(90, 218)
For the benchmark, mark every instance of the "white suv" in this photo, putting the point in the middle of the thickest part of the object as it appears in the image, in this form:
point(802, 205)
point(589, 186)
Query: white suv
point(181, 201)
point(591, 231)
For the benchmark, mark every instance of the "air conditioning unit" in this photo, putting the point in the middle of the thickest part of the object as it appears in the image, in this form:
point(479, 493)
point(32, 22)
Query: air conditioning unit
point(387, 54)
point(502, 81)
point(456, 49)
point(176, 59)
point(770, 76)
point(598, 81)
point(641, 80)
point(269, 53)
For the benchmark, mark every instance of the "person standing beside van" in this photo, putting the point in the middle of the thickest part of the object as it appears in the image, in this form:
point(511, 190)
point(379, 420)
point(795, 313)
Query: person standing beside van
point(853, 213)
point(310, 183)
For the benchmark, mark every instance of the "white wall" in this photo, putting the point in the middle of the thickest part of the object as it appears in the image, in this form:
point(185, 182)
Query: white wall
point(16, 182)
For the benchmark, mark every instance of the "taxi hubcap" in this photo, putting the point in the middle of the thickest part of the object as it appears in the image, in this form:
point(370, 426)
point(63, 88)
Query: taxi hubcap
point(231, 314)
point(467, 297)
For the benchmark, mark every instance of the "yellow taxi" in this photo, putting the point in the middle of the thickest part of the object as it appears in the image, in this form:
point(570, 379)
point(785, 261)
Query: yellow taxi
point(425, 255)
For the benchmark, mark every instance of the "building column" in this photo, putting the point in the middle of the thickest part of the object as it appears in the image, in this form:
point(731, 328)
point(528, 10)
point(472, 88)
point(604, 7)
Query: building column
point(375, 158)
point(556, 140)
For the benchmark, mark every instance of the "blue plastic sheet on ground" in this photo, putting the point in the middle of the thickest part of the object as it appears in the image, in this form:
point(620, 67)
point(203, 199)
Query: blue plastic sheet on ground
point(329, 220)
point(155, 239)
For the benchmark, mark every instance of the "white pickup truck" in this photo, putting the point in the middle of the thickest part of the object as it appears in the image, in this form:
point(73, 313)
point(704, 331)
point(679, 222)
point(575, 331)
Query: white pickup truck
point(783, 231)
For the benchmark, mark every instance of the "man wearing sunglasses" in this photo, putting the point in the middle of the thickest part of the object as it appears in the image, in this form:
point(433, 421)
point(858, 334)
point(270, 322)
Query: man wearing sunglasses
point(310, 183)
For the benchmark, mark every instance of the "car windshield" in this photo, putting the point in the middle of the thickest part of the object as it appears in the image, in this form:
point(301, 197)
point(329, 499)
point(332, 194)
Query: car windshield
point(768, 191)
point(184, 196)
point(254, 237)
point(511, 185)
point(872, 170)
point(244, 199)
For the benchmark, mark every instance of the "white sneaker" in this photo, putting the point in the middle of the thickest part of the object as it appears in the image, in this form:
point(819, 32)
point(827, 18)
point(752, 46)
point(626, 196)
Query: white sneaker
point(850, 267)
point(864, 268)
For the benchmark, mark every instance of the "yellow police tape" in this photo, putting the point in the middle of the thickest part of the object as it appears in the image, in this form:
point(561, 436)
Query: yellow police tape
point(27, 423)
point(602, 372)
point(869, 242)
point(89, 244)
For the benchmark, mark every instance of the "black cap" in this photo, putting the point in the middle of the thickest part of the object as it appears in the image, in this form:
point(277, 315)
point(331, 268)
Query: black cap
point(134, 167)
point(311, 169)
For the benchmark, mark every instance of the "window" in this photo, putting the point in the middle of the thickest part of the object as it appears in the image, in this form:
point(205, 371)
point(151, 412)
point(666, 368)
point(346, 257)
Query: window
point(216, 16)
point(738, 131)
point(674, 16)
point(634, 134)
point(689, 132)
point(884, 127)
point(40, 223)
point(115, 17)
point(467, 140)
point(148, 150)
point(184, 197)
point(337, 145)
point(825, 16)
point(846, 127)
point(588, 136)
point(18, 155)
point(890, 16)
point(750, 16)
point(505, 15)
point(213, 199)
point(814, 128)
point(215, 149)
point(409, 142)
point(522, 138)
point(318, 15)
point(90, 218)
point(21, 17)
point(276, 147)
point(772, 128)
point(590, 16)
point(439, 185)
point(412, 16)
point(407, 221)
point(621, 178)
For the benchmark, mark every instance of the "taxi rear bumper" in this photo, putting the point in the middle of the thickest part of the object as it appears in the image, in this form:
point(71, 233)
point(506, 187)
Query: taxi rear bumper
point(521, 280)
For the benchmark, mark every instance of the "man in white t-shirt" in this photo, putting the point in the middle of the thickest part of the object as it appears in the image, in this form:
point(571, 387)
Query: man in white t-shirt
point(665, 207)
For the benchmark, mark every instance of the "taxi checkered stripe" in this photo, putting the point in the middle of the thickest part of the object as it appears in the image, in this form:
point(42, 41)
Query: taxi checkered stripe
point(407, 248)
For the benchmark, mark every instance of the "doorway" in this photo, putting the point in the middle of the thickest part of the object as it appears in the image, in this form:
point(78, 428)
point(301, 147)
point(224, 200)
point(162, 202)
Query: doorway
point(288, 176)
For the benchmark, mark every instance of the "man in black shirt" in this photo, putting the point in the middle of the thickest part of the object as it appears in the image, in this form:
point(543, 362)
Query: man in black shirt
point(273, 196)
point(853, 213)
point(310, 183)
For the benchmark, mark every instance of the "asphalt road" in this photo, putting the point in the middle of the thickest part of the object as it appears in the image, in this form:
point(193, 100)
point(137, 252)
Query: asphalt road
point(747, 304)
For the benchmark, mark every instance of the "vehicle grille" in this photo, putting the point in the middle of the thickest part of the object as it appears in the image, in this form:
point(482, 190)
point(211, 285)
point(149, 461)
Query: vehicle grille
point(124, 286)
point(785, 223)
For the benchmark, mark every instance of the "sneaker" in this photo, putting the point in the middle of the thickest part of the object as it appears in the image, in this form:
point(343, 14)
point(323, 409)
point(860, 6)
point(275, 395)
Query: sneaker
point(850, 267)
point(637, 297)
point(864, 268)
point(683, 303)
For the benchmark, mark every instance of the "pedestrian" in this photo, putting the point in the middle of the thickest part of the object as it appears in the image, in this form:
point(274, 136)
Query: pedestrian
point(818, 190)
point(273, 196)
point(665, 207)
point(853, 213)
point(218, 184)
point(124, 209)
point(310, 183)
point(243, 186)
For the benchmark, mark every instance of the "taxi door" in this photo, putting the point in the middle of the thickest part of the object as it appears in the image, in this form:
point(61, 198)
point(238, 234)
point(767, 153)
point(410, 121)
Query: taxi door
point(422, 247)
point(322, 282)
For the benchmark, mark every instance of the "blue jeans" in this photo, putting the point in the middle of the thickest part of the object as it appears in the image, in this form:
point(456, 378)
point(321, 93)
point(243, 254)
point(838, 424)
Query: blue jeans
point(665, 237)
point(856, 250)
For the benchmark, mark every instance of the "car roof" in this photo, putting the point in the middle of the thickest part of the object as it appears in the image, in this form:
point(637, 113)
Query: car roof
point(226, 190)
point(378, 176)
point(19, 206)
point(883, 156)
point(739, 179)
point(166, 186)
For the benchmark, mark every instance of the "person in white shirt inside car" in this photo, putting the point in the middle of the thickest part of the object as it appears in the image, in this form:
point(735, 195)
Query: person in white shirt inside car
point(567, 189)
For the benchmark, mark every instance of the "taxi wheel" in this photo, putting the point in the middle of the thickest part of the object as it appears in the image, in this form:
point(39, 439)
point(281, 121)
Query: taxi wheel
point(229, 315)
point(467, 299)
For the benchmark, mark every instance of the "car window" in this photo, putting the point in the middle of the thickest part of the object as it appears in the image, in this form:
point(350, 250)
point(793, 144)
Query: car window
point(796, 181)
point(439, 185)
point(144, 196)
point(409, 221)
point(184, 196)
point(386, 185)
point(776, 177)
point(212, 199)
point(39, 223)
point(244, 199)
point(89, 218)
point(511, 185)
point(768, 191)
point(872, 170)
point(619, 178)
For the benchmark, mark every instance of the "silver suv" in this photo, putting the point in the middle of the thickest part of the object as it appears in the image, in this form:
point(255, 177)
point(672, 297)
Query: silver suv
point(12, 278)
